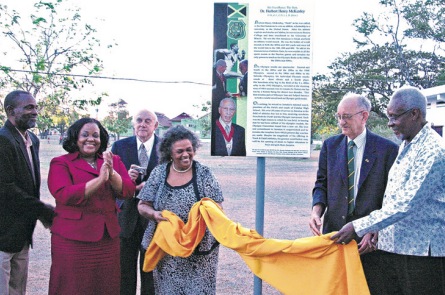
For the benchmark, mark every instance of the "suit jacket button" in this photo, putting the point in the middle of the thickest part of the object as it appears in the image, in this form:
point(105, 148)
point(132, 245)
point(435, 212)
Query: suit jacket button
point(343, 217)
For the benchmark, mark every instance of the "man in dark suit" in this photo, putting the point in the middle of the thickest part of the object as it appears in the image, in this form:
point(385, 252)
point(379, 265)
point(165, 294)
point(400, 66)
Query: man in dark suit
point(243, 67)
point(372, 156)
point(139, 155)
point(229, 137)
point(19, 191)
point(219, 88)
point(219, 92)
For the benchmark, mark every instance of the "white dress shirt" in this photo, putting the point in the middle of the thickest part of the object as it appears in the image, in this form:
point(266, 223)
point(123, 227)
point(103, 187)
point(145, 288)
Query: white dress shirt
point(359, 150)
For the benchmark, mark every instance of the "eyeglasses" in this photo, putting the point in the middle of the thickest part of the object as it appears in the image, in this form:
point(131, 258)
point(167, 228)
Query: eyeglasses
point(395, 117)
point(346, 116)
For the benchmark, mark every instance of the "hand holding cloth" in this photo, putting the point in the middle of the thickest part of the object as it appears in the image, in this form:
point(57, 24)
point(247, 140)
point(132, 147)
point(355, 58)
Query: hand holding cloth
point(314, 265)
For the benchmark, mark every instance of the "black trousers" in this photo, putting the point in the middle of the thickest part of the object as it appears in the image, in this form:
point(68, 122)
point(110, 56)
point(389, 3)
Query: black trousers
point(131, 253)
point(412, 275)
point(373, 272)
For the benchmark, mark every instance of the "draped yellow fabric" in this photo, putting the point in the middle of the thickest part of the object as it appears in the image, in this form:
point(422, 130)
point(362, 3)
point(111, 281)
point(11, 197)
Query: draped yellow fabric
point(313, 265)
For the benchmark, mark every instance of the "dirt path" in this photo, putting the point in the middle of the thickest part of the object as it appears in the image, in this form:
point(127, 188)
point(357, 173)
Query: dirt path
point(287, 207)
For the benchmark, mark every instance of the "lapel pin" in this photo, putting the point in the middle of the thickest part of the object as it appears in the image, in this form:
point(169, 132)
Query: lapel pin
point(366, 160)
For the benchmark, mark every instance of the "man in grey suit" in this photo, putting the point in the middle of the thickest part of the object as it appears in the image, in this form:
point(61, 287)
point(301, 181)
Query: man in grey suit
point(341, 202)
point(139, 155)
point(20, 204)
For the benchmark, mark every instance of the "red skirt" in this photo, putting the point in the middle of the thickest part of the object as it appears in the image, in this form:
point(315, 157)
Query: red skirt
point(84, 267)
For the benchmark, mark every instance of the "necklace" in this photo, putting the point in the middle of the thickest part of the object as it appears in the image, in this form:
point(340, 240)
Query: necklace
point(182, 171)
point(92, 164)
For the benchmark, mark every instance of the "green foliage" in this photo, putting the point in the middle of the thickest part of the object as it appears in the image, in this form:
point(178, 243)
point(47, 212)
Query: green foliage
point(204, 107)
point(118, 120)
point(426, 19)
point(413, 31)
point(2, 113)
point(325, 98)
point(48, 46)
point(204, 121)
point(401, 45)
point(204, 125)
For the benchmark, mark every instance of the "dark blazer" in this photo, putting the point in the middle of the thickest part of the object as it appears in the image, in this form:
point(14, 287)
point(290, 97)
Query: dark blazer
point(331, 186)
point(128, 151)
point(219, 90)
point(239, 144)
point(243, 85)
point(19, 190)
point(83, 219)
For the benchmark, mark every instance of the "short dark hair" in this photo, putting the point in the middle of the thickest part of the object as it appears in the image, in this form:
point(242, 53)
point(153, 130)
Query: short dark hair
point(173, 135)
point(410, 97)
point(70, 142)
point(12, 98)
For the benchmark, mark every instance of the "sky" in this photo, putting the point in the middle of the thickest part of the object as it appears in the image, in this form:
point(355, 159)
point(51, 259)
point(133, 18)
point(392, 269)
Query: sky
point(171, 41)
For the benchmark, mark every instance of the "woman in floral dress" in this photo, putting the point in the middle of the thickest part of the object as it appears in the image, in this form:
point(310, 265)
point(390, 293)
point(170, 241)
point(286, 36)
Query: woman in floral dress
point(175, 185)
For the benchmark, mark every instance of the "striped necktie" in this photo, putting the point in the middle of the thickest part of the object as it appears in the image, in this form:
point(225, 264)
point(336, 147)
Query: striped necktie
point(143, 158)
point(351, 174)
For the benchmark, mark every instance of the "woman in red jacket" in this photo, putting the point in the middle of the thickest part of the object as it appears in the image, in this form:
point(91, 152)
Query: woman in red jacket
point(85, 232)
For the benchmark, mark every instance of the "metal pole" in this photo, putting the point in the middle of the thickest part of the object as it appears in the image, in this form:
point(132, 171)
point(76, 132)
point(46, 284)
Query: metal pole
point(259, 215)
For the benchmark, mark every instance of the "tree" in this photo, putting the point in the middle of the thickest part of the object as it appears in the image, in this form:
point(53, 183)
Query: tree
point(47, 48)
point(204, 121)
point(64, 118)
point(376, 72)
point(400, 26)
point(325, 98)
point(387, 58)
point(426, 20)
point(118, 121)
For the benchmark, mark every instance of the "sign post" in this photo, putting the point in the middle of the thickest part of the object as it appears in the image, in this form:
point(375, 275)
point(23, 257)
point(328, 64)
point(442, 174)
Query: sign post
point(259, 215)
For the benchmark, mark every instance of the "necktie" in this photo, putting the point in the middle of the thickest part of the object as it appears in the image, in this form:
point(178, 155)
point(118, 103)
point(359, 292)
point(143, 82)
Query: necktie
point(351, 174)
point(143, 158)
point(228, 145)
point(221, 77)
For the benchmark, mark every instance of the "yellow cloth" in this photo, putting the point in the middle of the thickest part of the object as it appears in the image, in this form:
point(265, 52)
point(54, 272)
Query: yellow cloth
point(314, 265)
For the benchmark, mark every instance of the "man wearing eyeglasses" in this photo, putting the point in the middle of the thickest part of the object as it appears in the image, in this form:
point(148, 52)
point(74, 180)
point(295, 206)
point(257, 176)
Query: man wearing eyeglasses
point(411, 222)
point(351, 179)
point(229, 137)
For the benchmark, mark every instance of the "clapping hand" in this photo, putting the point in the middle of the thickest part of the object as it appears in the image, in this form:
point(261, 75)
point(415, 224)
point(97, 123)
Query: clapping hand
point(108, 162)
